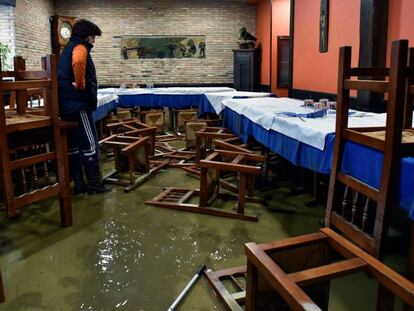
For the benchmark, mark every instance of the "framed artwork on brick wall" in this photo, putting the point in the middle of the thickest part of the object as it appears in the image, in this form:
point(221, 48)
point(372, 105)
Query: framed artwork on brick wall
point(134, 47)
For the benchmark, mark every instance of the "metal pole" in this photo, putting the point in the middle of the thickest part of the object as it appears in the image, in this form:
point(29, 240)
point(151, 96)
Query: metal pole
point(199, 272)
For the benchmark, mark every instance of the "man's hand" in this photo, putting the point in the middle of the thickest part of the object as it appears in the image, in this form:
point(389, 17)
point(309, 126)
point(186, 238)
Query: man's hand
point(75, 85)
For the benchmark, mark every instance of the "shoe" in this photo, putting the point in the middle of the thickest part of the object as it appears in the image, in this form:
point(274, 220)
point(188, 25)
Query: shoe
point(98, 188)
point(79, 188)
point(76, 172)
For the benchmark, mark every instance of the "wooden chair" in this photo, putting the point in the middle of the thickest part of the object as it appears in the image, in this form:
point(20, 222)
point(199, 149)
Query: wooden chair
point(20, 129)
point(205, 137)
point(230, 144)
point(167, 137)
point(219, 160)
point(296, 272)
point(32, 94)
point(132, 127)
point(408, 108)
point(177, 158)
point(191, 127)
point(352, 203)
point(154, 118)
point(162, 148)
point(181, 116)
point(131, 155)
point(123, 113)
point(2, 297)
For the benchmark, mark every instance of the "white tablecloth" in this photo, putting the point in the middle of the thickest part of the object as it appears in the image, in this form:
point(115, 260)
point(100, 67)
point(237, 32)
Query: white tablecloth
point(106, 98)
point(216, 99)
point(268, 113)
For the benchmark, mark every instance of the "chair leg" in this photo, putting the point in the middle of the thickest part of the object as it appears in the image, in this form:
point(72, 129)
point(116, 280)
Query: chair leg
point(65, 199)
point(2, 298)
point(385, 299)
point(242, 194)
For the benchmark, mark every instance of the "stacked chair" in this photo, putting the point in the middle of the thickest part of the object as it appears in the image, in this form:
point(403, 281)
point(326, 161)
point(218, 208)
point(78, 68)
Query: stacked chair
point(295, 273)
point(33, 141)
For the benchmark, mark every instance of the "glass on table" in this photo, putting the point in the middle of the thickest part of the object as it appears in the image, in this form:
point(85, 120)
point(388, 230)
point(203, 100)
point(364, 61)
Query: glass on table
point(308, 102)
point(323, 102)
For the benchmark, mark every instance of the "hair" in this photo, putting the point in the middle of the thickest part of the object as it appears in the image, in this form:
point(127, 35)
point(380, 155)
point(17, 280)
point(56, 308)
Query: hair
point(84, 28)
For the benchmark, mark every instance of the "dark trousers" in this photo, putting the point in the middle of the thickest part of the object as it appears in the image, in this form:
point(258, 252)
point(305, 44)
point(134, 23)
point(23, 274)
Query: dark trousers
point(83, 148)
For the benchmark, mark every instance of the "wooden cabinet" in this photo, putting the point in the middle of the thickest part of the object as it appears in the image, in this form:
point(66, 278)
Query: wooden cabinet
point(246, 69)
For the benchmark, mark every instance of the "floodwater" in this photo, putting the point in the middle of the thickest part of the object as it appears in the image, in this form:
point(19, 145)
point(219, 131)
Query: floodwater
point(123, 255)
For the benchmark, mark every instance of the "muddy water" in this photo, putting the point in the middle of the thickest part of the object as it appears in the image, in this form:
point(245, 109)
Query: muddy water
point(123, 255)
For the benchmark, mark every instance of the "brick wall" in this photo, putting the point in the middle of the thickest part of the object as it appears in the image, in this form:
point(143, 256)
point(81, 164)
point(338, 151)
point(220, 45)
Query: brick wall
point(219, 21)
point(32, 30)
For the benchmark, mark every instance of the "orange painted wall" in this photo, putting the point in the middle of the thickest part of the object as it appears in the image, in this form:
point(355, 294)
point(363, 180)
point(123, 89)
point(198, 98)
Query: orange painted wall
point(263, 38)
point(400, 23)
point(318, 71)
point(280, 27)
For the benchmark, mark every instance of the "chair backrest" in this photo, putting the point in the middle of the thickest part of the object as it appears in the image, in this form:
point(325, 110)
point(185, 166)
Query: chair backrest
point(355, 208)
point(155, 118)
point(125, 85)
point(409, 107)
point(184, 116)
point(191, 127)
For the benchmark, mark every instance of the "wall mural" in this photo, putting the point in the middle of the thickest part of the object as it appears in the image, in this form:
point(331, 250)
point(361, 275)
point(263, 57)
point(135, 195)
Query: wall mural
point(133, 47)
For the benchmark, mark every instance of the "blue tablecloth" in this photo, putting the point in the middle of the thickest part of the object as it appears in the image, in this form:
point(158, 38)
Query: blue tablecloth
point(177, 101)
point(361, 162)
point(103, 110)
point(139, 100)
point(204, 106)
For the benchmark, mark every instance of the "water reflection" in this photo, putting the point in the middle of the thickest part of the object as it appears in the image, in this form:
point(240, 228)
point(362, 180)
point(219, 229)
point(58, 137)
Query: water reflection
point(124, 255)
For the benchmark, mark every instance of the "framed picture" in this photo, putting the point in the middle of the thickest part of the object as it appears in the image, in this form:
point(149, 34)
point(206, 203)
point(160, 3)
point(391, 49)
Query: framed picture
point(134, 47)
point(324, 26)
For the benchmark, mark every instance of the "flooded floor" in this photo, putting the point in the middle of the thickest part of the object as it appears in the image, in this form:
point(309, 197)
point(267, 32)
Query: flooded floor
point(123, 255)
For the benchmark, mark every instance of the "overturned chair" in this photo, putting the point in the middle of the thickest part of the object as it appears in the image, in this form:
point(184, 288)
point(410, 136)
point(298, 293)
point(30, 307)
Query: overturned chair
point(131, 156)
point(220, 160)
point(181, 116)
point(205, 138)
point(295, 274)
point(177, 158)
point(194, 126)
point(154, 118)
point(230, 144)
point(132, 127)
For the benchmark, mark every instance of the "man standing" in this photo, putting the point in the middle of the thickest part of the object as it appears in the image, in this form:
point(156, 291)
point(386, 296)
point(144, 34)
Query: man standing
point(77, 99)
